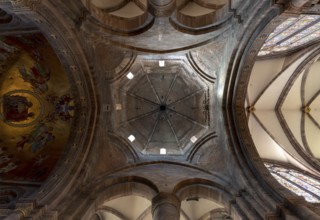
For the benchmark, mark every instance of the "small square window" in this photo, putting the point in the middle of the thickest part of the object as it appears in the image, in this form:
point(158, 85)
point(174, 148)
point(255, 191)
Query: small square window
point(131, 138)
point(118, 106)
point(130, 75)
point(161, 63)
point(163, 151)
point(193, 139)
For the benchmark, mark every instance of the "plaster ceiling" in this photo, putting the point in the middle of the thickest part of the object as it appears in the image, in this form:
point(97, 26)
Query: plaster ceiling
point(36, 108)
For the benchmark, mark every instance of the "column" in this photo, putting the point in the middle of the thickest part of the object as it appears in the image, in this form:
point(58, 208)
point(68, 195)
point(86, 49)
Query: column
point(165, 206)
point(161, 8)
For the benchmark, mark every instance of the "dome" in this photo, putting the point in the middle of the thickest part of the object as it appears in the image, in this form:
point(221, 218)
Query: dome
point(37, 108)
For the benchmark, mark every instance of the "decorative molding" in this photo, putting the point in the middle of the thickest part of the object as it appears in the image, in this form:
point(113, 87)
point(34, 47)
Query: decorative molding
point(21, 6)
point(199, 144)
point(203, 74)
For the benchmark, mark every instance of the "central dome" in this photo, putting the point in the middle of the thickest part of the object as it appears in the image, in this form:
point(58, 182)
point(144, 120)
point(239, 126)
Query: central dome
point(162, 107)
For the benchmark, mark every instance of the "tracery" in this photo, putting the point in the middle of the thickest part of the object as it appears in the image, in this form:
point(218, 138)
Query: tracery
point(293, 32)
point(297, 182)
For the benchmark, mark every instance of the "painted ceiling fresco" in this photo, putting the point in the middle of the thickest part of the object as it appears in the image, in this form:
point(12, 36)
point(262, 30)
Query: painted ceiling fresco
point(36, 108)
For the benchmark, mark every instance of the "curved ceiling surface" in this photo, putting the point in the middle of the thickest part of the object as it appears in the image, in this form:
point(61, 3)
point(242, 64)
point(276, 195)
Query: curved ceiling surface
point(161, 106)
point(36, 108)
point(283, 105)
point(136, 207)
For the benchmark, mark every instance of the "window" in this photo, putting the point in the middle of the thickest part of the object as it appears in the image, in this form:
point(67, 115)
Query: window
point(297, 182)
point(293, 32)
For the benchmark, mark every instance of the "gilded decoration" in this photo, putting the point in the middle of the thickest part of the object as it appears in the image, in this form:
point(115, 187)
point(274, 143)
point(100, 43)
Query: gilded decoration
point(36, 108)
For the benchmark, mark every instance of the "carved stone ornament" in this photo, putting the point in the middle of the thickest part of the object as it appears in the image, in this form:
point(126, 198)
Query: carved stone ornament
point(24, 4)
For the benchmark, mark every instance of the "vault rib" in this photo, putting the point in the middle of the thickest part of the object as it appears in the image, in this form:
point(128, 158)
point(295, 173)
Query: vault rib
point(139, 97)
point(174, 133)
point(154, 90)
point(186, 97)
point(152, 132)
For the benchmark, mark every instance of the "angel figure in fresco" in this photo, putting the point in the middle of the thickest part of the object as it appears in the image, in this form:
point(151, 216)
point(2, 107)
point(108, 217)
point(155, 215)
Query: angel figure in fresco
point(37, 77)
point(38, 138)
point(42, 141)
point(16, 108)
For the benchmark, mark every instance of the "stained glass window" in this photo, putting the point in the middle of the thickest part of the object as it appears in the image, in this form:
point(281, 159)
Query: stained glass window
point(293, 32)
point(297, 182)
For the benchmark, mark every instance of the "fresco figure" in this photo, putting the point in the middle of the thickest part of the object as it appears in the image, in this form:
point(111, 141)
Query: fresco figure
point(38, 138)
point(41, 141)
point(16, 108)
point(37, 77)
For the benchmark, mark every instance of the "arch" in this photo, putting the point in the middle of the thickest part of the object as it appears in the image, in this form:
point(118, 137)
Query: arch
point(121, 17)
point(124, 186)
point(200, 16)
point(106, 190)
point(204, 189)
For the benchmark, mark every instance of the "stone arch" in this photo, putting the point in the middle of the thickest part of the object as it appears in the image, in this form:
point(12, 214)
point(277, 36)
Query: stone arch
point(128, 186)
point(214, 15)
point(206, 189)
point(106, 190)
point(121, 17)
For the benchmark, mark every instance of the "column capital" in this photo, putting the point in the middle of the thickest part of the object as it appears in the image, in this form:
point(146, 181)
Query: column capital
point(166, 206)
point(165, 198)
point(162, 8)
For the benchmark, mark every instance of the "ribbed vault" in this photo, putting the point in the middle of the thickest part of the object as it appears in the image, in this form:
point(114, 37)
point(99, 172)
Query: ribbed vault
point(161, 127)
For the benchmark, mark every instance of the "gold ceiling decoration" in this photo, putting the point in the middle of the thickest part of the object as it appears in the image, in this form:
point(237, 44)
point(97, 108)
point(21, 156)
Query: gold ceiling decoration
point(36, 108)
